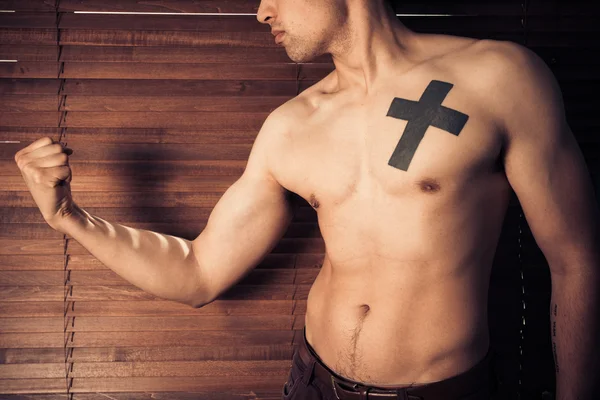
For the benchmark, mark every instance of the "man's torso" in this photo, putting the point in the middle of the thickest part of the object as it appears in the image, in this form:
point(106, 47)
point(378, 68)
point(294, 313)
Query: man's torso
point(402, 293)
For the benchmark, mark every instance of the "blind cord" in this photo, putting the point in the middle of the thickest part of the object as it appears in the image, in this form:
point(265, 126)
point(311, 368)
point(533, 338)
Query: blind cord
point(67, 286)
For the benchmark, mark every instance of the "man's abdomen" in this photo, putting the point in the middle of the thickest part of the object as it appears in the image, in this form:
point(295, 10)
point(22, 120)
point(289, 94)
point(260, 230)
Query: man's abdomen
point(399, 323)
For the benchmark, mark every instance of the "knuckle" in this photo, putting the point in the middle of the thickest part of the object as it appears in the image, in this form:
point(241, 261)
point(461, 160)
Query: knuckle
point(36, 175)
point(27, 169)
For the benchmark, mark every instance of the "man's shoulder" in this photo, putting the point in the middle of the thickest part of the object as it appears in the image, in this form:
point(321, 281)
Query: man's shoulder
point(496, 71)
point(287, 115)
point(497, 62)
point(509, 78)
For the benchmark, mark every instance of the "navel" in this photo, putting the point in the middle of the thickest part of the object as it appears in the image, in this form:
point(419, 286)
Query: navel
point(365, 309)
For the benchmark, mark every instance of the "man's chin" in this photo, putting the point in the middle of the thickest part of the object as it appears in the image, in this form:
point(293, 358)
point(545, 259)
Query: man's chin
point(300, 58)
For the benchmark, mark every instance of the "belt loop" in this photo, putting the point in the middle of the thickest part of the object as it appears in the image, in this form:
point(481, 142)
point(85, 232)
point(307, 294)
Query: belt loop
point(308, 373)
point(402, 394)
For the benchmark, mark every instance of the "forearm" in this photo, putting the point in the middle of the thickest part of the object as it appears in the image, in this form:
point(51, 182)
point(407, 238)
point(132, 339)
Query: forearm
point(575, 333)
point(160, 264)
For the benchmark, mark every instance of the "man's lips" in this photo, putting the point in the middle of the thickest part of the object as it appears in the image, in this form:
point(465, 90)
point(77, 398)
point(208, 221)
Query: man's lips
point(279, 36)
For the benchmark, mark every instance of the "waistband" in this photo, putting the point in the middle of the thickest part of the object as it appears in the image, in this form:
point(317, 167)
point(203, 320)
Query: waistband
point(479, 380)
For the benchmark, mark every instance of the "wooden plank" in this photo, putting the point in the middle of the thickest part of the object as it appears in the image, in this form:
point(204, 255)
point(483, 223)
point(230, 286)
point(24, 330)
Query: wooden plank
point(282, 351)
point(29, 86)
point(250, 395)
point(109, 278)
point(32, 371)
point(32, 340)
point(156, 54)
point(181, 87)
point(77, 262)
point(85, 325)
point(140, 168)
point(215, 369)
point(89, 263)
point(28, 135)
point(259, 104)
point(219, 370)
point(27, 103)
point(42, 231)
point(28, 52)
point(127, 293)
point(30, 278)
point(171, 6)
point(11, 294)
point(20, 246)
point(127, 214)
point(143, 323)
point(205, 71)
point(33, 119)
point(28, 19)
point(142, 151)
point(184, 120)
point(119, 199)
point(208, 338)
point(160, 308)
point(28, 5)
point(32, 356)
point(35, 309)
point(34, 36)
point(31, 262)
point(108, 184)
point(25, 386)
point(133, 354)
point(210, 386)
point(98, 37)
point(150, 22)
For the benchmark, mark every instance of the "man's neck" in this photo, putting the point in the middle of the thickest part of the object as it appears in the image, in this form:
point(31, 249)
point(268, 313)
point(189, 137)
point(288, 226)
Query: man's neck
point(374, 42)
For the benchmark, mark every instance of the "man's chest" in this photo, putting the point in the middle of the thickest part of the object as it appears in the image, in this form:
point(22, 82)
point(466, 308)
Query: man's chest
point(427, 138)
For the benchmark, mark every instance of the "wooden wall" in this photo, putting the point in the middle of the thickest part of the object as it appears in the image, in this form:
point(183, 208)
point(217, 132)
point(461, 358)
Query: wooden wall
point(161, 111)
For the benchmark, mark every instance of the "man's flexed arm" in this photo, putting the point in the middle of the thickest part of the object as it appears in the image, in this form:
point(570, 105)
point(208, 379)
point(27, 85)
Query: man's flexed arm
point(243, 227)
point(160, 264)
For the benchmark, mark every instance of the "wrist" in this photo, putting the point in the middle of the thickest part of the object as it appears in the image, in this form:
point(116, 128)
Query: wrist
point(73, 219)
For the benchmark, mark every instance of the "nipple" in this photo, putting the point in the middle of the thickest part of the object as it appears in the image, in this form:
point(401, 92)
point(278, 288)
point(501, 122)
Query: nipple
point(429, 185)
point(313, 201)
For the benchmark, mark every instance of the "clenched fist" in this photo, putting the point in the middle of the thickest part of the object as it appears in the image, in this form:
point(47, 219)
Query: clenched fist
point(44, 165)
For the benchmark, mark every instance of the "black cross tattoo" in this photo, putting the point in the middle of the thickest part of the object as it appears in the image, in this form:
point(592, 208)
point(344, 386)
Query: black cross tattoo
point(428, 111)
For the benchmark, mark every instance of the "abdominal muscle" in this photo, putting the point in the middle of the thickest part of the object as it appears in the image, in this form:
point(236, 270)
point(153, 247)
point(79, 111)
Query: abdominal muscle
point(386, 323)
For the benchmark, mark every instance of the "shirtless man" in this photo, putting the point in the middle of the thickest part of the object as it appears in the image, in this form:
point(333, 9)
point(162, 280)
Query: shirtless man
point(407, 151)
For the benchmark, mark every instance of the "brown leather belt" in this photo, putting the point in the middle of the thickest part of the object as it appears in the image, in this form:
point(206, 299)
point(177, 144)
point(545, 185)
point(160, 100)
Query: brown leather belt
point(472, 384)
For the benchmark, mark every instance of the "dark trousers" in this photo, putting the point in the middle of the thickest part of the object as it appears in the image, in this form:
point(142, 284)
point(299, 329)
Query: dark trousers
point(311, 379)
